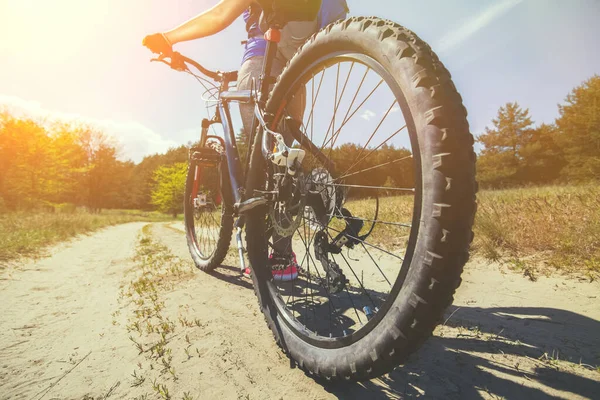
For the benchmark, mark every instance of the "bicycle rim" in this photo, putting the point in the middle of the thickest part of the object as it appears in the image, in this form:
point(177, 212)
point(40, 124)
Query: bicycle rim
point(356, 114)
point(204, 211)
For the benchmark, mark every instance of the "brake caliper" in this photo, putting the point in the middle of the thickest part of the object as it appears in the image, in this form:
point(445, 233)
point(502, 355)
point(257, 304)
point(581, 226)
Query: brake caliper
point(206, 186)
point(284, 156)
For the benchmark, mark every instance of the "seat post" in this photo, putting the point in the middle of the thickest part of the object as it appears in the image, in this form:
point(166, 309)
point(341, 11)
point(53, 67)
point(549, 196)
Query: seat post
point(272, 36)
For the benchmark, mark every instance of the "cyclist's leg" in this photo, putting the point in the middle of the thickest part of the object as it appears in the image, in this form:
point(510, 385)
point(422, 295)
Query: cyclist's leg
point(251, 70)
point(293, 36)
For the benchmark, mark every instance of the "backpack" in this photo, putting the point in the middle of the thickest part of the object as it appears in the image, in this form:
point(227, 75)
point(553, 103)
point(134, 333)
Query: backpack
point(327, 11)
point(284, 11)
point(332, 11)
point(297, 10)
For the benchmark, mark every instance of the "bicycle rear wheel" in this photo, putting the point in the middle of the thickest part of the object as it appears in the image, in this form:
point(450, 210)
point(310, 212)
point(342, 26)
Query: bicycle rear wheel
point(208, 207)
point(398, 197)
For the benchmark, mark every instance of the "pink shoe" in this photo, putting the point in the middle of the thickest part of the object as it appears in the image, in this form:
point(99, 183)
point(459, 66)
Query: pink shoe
point(247, 272)
point(284, 268)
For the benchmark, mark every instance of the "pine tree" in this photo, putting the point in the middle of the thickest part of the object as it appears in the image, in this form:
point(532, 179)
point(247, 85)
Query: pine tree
point(579, 131)
point(503, 157)
point(543, 158)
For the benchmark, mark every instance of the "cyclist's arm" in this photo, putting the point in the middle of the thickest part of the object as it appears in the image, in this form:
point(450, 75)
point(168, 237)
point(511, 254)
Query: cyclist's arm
point(209, 22)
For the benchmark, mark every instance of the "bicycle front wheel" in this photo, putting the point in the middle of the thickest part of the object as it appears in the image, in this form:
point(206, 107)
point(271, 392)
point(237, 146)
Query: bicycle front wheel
point(388, 200)
point(208, 208)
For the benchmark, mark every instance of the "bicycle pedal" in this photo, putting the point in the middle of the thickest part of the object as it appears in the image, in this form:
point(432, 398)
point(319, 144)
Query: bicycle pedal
point(250, 204)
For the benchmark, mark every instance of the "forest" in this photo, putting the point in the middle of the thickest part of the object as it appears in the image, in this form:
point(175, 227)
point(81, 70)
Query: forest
point(65, 166)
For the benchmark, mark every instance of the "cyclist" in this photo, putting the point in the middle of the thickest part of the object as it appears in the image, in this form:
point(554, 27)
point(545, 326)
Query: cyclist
point(283, 260)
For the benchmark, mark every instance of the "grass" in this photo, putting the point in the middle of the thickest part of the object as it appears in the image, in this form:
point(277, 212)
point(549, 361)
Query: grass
point(558, 226)
point(28, 233)
point(554, 226)
point(151, 331)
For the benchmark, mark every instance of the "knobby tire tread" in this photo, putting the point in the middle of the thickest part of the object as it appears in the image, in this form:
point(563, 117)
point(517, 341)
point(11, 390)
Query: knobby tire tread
point(447, 214)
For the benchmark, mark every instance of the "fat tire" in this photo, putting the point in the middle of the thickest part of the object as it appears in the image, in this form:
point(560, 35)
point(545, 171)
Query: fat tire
point(448, 201)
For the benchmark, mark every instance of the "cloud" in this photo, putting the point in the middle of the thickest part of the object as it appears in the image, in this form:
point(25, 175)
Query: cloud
point(456, 37)
point(135, 139)
point(368, 115)
point(394, 109)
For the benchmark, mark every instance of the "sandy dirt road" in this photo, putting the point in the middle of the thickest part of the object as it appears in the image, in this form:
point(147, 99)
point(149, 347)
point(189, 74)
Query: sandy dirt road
point(71, 329)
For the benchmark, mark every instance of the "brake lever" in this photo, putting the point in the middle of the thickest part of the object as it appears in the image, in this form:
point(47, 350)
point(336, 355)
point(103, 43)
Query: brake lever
point(176, 63)
point(160, 60)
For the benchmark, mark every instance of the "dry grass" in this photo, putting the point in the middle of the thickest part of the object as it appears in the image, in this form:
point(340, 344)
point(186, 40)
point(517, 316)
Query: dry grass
point(27, 234)
point(555, 226)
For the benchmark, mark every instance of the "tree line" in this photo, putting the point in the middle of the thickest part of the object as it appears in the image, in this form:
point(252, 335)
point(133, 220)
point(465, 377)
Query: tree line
point(517, 153)
point(74, 165)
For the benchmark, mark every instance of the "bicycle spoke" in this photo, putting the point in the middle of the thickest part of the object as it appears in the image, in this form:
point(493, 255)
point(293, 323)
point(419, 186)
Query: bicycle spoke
point(369, 187)
point(375, 220)
point(348, 118)
point(374, 167)
point(330, 302)
point(375, 149)
point(375, 262)
point(356, 276)
point(312, 110)
point(354, 113)
point(373, 135)
point(360, 241)
point(337, 103)
point(322, 297)
point(312, 292)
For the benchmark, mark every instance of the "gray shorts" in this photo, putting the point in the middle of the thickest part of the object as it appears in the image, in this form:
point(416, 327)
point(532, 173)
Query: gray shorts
point(292, 37)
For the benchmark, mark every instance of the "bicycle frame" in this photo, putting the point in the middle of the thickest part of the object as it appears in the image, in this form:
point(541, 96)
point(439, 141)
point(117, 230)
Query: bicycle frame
point(223, 116)
point(257, 97)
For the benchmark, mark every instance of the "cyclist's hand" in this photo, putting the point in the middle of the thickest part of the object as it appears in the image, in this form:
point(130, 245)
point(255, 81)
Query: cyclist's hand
point(158, 43)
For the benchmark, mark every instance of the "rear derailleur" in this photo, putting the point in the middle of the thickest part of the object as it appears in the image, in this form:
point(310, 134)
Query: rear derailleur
point(335, 281)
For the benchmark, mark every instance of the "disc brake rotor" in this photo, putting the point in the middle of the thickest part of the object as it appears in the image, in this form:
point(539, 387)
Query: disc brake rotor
point(286, 216)
point(319, 183)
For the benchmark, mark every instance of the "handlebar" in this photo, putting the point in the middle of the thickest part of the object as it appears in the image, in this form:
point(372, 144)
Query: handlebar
point(179, 63)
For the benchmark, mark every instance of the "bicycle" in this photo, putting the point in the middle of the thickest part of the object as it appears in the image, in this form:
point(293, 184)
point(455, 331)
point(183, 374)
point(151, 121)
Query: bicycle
point(403, 215)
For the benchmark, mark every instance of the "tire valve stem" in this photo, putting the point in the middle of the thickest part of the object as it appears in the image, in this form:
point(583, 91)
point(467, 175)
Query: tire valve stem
point(238, 239)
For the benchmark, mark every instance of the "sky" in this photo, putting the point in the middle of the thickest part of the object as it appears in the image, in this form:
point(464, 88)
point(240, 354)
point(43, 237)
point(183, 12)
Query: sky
point(83, 60)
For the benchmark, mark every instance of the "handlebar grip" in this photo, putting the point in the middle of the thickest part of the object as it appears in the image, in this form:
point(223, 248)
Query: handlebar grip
point(179, 62)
